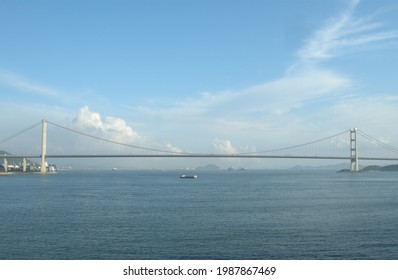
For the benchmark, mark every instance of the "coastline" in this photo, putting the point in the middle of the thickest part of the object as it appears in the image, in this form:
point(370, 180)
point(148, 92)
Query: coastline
point(24, 173)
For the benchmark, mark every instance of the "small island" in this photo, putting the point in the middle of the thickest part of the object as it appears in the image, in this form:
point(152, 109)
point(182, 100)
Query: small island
point(370, 168)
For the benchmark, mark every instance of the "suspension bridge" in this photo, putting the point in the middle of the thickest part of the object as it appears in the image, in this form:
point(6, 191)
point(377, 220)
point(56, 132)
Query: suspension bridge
point(341, 146)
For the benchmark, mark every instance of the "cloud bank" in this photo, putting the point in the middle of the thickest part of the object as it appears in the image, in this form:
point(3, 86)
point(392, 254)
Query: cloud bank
point(115, 127)
point(224, 146)
point(117, 130)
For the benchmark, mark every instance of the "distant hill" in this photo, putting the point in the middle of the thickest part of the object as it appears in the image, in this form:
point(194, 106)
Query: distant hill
point(208, 167)
point(372, 168)
point(322, 167)
point(393, 167)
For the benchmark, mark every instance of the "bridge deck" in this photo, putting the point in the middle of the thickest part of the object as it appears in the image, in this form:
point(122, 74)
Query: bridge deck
point(197, 156)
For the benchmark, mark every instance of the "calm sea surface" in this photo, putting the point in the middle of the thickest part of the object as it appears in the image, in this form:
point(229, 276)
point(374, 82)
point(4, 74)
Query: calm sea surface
point(220, 215)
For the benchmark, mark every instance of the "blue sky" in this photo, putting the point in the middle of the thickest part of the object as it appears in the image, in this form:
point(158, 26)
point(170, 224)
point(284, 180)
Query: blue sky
point(200, 76)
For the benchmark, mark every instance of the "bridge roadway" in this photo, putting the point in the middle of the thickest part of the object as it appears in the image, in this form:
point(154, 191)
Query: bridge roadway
point(197, 156)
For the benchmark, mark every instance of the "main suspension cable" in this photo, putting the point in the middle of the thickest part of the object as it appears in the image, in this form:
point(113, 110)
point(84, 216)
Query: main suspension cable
point(378, 142)
point(296, 146)
point(117, 143)
point(20, 132)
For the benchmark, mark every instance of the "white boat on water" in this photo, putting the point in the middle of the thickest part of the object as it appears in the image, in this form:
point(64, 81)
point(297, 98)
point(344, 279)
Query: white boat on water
point(188, 176)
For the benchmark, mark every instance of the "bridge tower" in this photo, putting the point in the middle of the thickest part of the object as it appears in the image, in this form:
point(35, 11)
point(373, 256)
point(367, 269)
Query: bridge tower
point(43, 168)
point(354, 150)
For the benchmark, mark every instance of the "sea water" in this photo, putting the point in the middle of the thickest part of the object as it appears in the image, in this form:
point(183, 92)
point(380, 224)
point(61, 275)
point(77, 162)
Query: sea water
point(219, 215)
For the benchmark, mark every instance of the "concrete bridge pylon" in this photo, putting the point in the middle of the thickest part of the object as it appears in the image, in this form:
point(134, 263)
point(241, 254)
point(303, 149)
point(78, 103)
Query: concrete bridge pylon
point(43, 166)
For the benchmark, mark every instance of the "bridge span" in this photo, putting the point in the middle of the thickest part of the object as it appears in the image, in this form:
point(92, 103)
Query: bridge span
point(351, 154)
point(200, 156)
point(176, 156)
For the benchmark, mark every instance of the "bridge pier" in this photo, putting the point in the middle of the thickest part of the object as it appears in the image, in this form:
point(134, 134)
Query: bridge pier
point(354, 150)
point(5, 164)
point(24, 165)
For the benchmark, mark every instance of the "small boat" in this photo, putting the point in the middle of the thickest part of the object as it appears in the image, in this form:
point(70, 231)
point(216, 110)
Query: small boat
point(188, 177)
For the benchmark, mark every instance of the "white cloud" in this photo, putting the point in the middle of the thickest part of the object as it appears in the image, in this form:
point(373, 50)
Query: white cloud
point(224, 146)
point(293, 90)
point(23, 84)
point(341, 33)
point(114, 127)
point(275, 97)
point(367, 112)
point(173, 149)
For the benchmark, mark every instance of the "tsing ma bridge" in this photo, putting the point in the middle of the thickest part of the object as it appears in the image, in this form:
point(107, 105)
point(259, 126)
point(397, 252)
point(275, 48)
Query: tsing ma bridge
point(322, 149)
